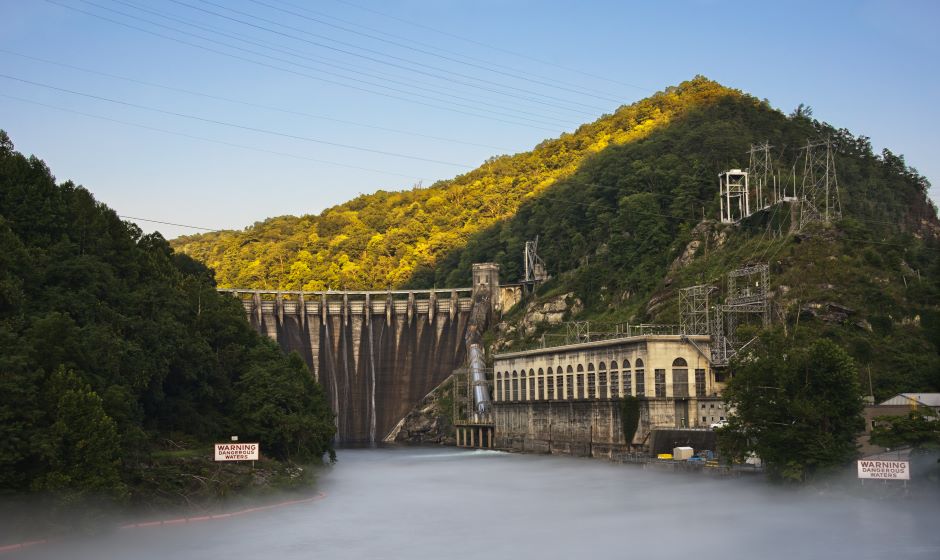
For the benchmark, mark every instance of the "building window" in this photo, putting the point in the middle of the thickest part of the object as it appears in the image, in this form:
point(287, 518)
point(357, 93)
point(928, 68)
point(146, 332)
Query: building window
point(704, 419)
point(640, 374)
point(514, 394)
point(541, 384)
point(680, 378)
point(602, 381)
point(550, 385)
point(499, 386)
point(579, 382)
point(569, 383)
point(614, 381)
point(531, 385)
point(659, 378)
point(700, 383)
point(591, 382)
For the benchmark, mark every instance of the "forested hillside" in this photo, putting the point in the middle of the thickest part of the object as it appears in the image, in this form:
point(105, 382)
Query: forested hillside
point(388, 238)
point(112, 346)
point(615, 204)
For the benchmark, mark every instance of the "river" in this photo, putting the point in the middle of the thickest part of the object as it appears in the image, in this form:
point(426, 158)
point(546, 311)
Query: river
point(437, 503)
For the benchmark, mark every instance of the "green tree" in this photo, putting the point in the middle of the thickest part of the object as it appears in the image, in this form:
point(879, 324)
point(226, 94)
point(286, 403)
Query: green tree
point(797, 407)
point(920, 430)
point(280, 406)
point(81, 447)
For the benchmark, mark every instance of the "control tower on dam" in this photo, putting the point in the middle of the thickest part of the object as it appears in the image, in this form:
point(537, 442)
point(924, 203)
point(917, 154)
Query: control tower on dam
point(376, 353)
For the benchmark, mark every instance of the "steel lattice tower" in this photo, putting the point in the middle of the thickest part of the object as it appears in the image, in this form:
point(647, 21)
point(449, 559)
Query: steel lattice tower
point(760, 172)
point(746, 297)
point(694, 314)
point(819, 198)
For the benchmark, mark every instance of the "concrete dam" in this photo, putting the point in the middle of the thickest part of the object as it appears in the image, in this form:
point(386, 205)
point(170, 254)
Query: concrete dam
point(377, 354)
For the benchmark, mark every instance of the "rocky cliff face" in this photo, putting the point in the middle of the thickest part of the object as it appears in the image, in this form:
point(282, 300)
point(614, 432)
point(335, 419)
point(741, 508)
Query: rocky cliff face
point(538, 314)
point(430, 421)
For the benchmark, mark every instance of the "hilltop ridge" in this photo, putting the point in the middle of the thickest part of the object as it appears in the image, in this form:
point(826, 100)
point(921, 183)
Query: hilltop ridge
point(625, 209)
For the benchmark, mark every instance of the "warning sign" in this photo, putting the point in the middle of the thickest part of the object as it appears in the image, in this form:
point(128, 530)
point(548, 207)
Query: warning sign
point(236, 451)
point(885, 470)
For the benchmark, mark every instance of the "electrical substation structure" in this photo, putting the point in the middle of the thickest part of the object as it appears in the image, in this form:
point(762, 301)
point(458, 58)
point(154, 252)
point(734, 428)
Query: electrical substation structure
point(746, 302)
point(743, 193)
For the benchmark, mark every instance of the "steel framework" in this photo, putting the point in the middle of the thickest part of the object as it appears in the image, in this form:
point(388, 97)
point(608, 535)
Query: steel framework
point(819, 196)
point(734, 199)
point(761, 175)
point(694, 313)
point(746, 298)
point(534, 265)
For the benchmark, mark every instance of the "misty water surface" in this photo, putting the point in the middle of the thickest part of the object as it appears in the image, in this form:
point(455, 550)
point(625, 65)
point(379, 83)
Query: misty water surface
point(447, 503)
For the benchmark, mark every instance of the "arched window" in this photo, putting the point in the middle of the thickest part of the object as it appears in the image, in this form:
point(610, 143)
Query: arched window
point(602, 381)
point(579, 382)
point(540, 394)
point(680, 378)
point(591, 382)
point(569, 383)
point(499, 386)
point(550, 385)
point(514, 394)
point(640, 374)
point(627, 379)
point(531, 384)
point(614, 380)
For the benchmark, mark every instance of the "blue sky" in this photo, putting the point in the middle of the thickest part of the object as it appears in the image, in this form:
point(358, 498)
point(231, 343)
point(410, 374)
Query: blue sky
point(221, 113)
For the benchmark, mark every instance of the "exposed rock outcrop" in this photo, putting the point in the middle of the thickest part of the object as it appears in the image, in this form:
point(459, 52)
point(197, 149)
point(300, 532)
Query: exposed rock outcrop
point(552, 311)
point(430, 421)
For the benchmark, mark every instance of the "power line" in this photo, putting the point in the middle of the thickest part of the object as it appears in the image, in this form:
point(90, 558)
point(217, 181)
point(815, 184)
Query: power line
point(512, 73)
point(250, 104)
point(512, 112)
point(166, 223)
point(289, 71)
point(234, 125)
point(202, 138)
point(370, 58)
point(499, 49)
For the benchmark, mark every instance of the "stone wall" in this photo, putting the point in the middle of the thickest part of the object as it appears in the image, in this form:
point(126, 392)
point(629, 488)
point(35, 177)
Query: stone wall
point(581, 428)
point(591, 428)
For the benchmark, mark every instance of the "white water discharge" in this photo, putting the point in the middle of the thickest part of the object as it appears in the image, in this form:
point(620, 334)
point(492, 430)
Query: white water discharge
point(372, 385)
point(328, 348)
point(440, 503)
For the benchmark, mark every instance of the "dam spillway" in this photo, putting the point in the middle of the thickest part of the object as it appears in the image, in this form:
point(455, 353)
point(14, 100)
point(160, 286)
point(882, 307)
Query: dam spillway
point(376, 353)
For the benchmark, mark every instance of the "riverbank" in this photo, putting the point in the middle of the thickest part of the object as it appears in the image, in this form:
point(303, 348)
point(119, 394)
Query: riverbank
point(183, 484)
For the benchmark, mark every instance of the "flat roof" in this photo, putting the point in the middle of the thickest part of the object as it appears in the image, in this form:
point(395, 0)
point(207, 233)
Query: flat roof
point(602, 344)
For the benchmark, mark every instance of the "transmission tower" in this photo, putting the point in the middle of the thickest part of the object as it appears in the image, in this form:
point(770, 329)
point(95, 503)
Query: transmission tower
point(734, 199)
point(761, 175)
point(694, 310)
point(534, 265)
point(746, 299)
point(819, 197)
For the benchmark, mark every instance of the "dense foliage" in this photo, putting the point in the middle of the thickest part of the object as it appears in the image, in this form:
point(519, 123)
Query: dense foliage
point(920, 429)
point(798, 407)
point(390, 238)
point(111, 343)
point(616, 203)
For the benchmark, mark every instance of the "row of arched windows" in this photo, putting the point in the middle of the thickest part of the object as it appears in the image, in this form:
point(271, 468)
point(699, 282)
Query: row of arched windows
point(607, 381)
